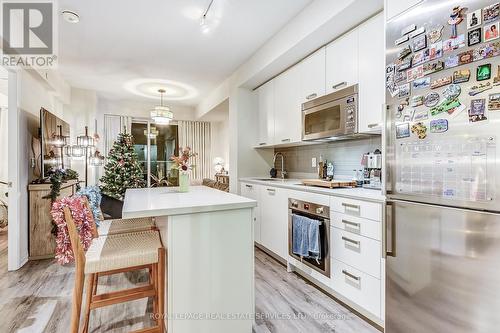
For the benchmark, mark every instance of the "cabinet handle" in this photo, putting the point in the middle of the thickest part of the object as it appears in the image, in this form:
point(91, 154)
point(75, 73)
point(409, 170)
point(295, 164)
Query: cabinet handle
point(285, 140)
point(351, 206)
point(262, 144)
point(249, 186)
point(373, 125)
point(352, 276)
point(338, 85)
point(271, 190)
point(352, 241)
point(354, 224)
point(311, 96)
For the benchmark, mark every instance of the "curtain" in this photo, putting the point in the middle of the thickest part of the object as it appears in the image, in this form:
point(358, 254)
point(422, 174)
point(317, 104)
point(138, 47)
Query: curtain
point(198, 136)
point(114, 125)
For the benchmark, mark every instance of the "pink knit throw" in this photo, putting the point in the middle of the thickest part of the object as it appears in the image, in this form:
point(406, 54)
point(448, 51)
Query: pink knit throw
point(83, 220)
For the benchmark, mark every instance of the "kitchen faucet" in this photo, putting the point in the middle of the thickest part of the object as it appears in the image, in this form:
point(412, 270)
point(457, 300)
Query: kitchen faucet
point(283, 172)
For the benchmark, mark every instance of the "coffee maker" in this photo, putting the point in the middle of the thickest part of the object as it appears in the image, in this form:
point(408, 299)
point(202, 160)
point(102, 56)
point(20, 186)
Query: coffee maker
point(372, 170)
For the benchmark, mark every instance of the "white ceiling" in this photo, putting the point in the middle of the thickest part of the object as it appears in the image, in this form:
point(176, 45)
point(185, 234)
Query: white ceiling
point(118, 41)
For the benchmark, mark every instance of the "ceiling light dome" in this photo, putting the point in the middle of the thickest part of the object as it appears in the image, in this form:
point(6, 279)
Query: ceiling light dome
point(161, 114)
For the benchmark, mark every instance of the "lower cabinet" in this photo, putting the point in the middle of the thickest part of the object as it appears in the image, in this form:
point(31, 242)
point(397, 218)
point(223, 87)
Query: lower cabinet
point(274, 219)
point(252, 191)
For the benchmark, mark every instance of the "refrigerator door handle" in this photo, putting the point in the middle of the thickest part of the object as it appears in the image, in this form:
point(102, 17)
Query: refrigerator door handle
point(389, 234)
point(387, 149)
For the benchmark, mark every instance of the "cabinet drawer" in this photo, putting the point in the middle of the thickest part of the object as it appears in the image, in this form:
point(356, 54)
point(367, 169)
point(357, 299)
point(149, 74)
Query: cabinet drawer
point(357, 225)
point(360, 252)
point(358, 287)
point(352, 207)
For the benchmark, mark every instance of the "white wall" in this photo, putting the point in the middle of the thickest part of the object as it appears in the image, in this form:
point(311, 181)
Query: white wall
point(220, 140)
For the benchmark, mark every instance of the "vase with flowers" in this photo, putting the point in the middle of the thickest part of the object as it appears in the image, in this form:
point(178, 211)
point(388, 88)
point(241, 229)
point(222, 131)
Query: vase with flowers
point(183, 164)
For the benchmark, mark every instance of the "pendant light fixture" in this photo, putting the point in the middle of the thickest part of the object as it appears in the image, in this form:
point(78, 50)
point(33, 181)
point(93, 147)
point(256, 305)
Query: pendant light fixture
point(204, 24)
point(59, 139)
point(161, 114)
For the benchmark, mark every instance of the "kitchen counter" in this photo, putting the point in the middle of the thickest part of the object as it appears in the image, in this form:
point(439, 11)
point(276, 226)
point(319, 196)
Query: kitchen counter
point(162, 201)
point(209, 239)
point(295, 184)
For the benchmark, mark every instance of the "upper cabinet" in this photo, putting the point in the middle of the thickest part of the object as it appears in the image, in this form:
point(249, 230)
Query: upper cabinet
point(342, 62)
point(396, 7)
point(371, 64)
point(312, 76)
point(287, 107)
point(266, 114)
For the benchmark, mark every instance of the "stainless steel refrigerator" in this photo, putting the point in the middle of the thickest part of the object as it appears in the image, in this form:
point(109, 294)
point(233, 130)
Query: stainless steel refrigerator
point(442, 168)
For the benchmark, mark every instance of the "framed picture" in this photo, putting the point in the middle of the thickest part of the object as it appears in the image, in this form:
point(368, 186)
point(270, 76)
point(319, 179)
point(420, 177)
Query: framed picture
point(490, 31)
point(491, 13)
point(474, 19)
point(474, 37)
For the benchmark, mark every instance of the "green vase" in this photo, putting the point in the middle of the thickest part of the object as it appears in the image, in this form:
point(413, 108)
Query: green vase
point(183, 182)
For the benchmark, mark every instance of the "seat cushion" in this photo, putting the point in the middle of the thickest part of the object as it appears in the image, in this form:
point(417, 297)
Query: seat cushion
point(119, 251)
point(120, 226)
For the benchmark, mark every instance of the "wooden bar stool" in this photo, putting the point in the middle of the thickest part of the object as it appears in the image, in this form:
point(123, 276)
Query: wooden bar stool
point(115, 254)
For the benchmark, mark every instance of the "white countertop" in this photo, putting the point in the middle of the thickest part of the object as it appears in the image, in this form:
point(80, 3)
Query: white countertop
point(166, 201)
point(295, 184)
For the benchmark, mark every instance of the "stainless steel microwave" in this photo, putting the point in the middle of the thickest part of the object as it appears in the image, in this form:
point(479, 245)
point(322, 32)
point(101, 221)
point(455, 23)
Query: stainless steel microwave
point(332, 116)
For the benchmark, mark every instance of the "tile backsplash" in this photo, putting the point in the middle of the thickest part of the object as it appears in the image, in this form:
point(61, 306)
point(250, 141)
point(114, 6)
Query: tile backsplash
point(345, 155)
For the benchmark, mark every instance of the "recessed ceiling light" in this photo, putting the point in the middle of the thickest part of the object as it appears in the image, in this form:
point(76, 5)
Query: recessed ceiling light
point(70, 16)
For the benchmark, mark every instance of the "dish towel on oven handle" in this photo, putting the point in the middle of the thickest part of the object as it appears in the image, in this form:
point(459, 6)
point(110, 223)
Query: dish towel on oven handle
point(305, 237)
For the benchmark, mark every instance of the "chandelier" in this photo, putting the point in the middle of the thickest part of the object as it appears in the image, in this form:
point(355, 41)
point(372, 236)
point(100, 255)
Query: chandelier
point(161, 114)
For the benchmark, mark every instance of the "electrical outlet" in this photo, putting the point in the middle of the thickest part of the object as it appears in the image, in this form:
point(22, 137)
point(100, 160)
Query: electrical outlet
point(313, 162)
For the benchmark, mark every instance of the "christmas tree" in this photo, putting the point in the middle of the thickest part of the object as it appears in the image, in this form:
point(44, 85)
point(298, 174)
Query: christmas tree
point(122, 170)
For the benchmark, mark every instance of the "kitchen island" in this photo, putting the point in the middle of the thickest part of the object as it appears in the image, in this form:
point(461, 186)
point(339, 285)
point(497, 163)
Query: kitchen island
point(208, 236)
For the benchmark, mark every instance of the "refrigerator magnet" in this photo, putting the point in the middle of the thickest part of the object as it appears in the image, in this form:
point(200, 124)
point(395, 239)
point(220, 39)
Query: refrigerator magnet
point(494, 102)
point(441, 82)
point(496, 79)
point(456, 17)
point(465, 57)
point(431, 99)
point(421, 114)
point(401, 40)
point(474, 37)
point(461, 76)
point(404, 90)
point(477, 110)
point(419, 43)
point(435, 33)
point(417, 101)
point(481, 87)
point(417, 32)
point(400, 76)
point(451, 61)
point(490, 31)
point(438, 126)
point(483, 72)
point(452, 92)
point(433, 67)
point(408, 29)
point(420, 130)
point(474, 19)
point(435, 50)
point(405, 64)
point(454, 43)
point(404, 52)
point(445, 106)
point(422, 83)
point(491, 13)
point(402, 130)
point(414, 73)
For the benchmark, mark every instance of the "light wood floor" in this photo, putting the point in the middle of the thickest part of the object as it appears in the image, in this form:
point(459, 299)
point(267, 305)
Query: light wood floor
point(37, 298)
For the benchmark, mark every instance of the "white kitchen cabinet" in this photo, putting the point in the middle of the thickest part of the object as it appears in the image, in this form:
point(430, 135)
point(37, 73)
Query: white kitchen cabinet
point(287, 107)
point(274, 219)
point(371, 62)
point(252, 191)
point(342, 62)
point(396, 7)
point(266, 114)
point(312, 76)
